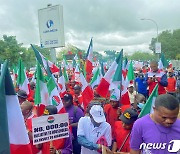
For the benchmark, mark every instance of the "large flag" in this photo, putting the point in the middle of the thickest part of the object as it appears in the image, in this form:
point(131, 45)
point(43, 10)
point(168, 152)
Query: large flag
point(163, 63)
point(54, 96)
point(77, 74)
point(41, 92)
point(130, 73)
point(148, 107)
point(42, 60)
point(125, 67)
point(87, 92)
point(61, 81)
point(121, 83)
point(102, 69)
point(22, 79)
point(65, 75)
point(103, 87)
point(89, 61)
point(96, 78)
point(14, 138)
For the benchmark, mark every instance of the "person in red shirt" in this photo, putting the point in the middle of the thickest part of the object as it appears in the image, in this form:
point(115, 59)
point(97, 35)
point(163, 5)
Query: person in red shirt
point(77, 97)
point(122, 130)
point(26, 108)
point(156, 76)
point(171, 88)
point(112, 111)
point(31, 92)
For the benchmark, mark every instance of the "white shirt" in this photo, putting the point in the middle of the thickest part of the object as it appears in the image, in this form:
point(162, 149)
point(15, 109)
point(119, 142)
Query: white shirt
point(92, 134)
point(131, 96)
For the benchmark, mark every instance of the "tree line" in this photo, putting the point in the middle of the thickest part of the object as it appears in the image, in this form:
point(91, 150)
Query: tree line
point(12, 50)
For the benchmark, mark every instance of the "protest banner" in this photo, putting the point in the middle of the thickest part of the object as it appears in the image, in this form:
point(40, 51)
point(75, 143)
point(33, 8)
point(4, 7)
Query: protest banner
point(49, 128)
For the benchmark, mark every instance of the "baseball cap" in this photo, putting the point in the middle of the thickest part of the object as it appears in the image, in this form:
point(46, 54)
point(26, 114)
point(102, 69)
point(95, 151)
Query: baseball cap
point(129, 116)
point(97, 113)
point(50, 110)
point(22, 94)
point(131, 85)
point(67, 97)
point(114, 96)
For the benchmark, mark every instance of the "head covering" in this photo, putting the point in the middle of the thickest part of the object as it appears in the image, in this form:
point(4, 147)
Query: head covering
point(130, 85)
point(129, 116)
point(50, 110)
point(114, 96)
point(67, 97)
point(22, 94)
point(97, 113)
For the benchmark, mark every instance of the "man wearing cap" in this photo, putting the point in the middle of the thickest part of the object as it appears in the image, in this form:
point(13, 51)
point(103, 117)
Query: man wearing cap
point(111, 111)
point(123, 129)
point(75, 113)
point(94, 131)
point(158, 128)
point(131, 93)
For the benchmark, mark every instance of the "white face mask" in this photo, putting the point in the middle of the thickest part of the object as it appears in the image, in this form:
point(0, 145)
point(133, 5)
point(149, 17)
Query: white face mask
point(140, 105)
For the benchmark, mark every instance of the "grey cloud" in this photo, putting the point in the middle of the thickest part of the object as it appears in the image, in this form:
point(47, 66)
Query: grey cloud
point(113, 24)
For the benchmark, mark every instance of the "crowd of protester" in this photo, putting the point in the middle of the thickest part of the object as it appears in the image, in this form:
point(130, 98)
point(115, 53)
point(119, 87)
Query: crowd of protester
point(107, 123)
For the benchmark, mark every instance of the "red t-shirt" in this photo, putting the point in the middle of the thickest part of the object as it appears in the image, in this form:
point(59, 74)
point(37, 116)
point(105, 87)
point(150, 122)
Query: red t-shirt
point(111, 116)
point(29, 127)
point(171, 85)
point(120, 135)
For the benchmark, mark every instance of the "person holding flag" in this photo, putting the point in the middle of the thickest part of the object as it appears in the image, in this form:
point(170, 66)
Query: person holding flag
point(112, 111)
point(154, 77)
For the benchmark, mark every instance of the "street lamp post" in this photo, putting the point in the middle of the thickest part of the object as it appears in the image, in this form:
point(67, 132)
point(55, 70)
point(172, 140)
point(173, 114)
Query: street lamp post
point(157, 45)
point(154, 23)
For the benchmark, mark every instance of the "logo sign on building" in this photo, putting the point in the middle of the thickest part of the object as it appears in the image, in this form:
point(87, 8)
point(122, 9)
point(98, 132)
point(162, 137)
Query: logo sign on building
point(50, 127)
point(158, 47)
point(51, 26)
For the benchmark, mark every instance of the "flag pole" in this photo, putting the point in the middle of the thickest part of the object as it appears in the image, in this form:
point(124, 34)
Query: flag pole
point(124, 141)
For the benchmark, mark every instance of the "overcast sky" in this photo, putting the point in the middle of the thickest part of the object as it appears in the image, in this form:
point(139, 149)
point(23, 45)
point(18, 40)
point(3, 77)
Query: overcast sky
point(113, 24)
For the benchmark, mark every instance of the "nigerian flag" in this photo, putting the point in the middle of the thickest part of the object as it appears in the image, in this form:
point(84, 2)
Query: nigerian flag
point(54, 96)
point(148, 107)
point(13, 133)
point(41, 92)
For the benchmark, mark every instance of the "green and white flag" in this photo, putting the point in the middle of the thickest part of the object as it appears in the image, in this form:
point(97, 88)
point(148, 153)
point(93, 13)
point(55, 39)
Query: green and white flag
point(96, 78)
point(130, 73)
point(148, 107)
point(22, 79)
point(54, 96)
point(41, 92)
point(13, 134)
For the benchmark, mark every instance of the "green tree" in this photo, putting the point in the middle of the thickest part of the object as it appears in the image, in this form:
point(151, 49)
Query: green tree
point(11, 50)
point(170, 43)
point(142, 56)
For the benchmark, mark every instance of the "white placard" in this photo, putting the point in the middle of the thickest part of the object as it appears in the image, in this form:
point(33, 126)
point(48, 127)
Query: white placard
point(158, 47)
point(51, 26)
point(50, 127)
